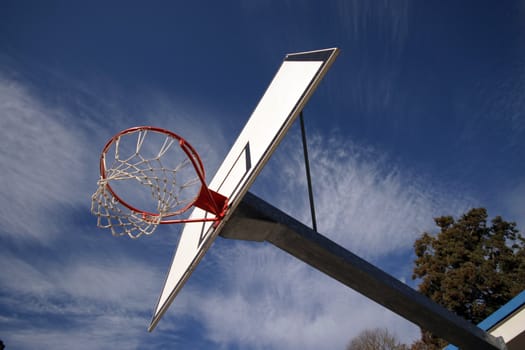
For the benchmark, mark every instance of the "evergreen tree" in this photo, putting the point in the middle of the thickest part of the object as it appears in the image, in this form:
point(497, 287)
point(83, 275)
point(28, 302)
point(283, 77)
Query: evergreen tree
point(469, 267)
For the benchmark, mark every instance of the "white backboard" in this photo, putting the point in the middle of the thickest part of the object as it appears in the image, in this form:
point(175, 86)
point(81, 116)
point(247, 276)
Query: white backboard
point(290, 89)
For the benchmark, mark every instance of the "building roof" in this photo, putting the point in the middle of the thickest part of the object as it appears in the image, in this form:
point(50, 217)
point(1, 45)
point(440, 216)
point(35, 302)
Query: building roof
point(507, 322)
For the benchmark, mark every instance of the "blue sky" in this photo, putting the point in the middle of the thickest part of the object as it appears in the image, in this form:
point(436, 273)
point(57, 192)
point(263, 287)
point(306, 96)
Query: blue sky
point(421, 115)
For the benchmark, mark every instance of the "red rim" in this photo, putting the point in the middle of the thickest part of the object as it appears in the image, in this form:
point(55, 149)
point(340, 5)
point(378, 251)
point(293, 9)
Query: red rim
point(186, 147)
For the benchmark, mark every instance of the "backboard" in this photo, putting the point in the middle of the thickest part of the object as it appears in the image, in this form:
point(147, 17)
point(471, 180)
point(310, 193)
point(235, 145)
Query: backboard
point(287, 94)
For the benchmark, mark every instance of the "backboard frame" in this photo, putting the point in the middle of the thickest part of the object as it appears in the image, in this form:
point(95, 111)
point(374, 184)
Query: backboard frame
point(291, 88)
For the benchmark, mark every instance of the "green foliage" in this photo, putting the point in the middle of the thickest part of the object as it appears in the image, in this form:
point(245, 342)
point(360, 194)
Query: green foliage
point(470, 267)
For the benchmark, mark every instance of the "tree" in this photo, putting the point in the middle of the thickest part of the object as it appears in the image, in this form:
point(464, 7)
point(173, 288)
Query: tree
point(469, 267)
point(376, 339)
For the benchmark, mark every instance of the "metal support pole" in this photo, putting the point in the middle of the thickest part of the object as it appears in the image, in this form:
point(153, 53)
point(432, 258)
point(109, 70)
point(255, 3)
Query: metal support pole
point(308, 176)
point(256, 220)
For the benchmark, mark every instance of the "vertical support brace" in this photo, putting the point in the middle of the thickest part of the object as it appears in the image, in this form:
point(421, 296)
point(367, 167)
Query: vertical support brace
point(308, 176)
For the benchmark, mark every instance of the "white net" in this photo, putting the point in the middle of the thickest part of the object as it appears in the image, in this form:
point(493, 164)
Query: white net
point(111, 214)
point(149, 177)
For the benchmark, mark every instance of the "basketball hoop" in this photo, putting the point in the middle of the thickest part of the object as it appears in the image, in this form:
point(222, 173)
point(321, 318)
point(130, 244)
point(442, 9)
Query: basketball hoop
point(160, 174)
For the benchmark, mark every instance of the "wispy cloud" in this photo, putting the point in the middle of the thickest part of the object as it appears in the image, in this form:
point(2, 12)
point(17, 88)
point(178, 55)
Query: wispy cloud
point(363, 198)
point(379, 30)
point(42, 161)
point(86, 304)
point(383, 18)
point(85, 336)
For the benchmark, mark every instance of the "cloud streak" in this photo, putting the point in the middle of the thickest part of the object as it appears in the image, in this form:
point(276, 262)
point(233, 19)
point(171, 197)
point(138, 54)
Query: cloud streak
point(86, 304)
point(363, 199)
point(375, 77)
point(41, 161)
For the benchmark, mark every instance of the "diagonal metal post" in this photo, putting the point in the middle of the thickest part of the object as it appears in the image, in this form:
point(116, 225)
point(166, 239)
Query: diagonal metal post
point(308, 176)
point(256, 220)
